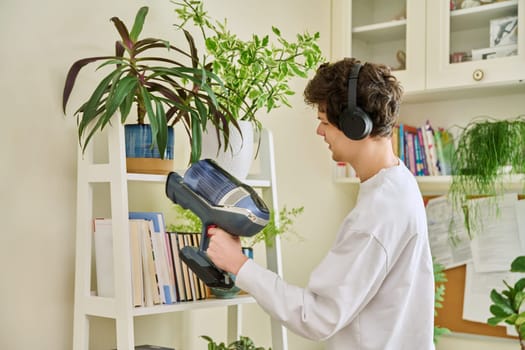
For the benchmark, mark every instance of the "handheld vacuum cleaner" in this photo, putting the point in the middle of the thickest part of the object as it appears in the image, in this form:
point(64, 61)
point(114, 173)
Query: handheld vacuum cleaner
point(218, 199)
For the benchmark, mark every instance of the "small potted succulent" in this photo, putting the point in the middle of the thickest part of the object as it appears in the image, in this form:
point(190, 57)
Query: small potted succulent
point(166, 89)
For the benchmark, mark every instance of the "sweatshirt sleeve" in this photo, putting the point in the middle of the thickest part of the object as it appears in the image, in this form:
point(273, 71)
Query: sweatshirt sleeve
point(338, 288)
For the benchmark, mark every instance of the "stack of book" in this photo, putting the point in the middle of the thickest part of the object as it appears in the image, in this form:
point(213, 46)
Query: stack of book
point(425, 151)
point(158, 274)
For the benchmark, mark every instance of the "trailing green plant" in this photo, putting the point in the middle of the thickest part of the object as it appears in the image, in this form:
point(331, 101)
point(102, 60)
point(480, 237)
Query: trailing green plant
point(439, 296)
point(163, 88)
point(256, 72)
point(243, 343)
point(487, 151)
point(507, 304)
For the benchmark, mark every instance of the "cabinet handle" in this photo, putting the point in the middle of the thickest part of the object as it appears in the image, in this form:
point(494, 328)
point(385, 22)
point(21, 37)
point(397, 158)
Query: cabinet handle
point(478, 75)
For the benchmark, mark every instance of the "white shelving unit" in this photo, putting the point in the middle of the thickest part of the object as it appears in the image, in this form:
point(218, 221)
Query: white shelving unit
point(120, 307)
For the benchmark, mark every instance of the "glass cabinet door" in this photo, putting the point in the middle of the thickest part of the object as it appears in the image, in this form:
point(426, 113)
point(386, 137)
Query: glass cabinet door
point(391, 32)
point(473, 42)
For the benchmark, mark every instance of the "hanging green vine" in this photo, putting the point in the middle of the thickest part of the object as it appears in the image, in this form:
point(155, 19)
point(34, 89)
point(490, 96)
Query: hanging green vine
point(486, 150)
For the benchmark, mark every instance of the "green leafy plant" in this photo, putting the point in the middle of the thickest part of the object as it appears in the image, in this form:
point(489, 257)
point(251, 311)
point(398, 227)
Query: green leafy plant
point(272, 230)
point(256, 72)
point(163, 88)
point(507, 304)
point(487, 152)
point(187, 221)
point(243, 343)
point(439, 296)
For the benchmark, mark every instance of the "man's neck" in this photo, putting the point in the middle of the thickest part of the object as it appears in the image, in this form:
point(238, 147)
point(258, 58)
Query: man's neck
point(377, 154)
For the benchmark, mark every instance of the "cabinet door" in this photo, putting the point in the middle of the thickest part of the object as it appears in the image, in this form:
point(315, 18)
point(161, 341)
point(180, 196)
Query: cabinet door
point(391, 32)
point(475, 46)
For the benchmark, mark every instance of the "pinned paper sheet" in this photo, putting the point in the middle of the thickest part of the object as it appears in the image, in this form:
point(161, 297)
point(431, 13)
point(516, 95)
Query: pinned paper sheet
point(445, 222)
point(493, 249)
point(496, 240)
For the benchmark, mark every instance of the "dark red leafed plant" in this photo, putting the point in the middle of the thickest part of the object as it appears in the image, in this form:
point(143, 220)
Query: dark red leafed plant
point(164, 90)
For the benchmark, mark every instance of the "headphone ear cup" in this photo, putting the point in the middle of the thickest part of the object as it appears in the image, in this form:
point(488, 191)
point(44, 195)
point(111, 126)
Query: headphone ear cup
point(357, 125)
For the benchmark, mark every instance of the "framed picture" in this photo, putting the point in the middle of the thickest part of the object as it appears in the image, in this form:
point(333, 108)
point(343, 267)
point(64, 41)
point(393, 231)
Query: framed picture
point(504, 31)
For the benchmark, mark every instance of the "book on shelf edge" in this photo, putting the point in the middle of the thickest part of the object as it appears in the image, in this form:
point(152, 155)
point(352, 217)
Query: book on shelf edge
point(104, 262)
point(137, 277)
point(151, 289)
point(103, 239)
point(177, 267)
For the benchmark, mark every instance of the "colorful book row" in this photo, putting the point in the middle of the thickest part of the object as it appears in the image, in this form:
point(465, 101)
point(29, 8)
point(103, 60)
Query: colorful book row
point(425, 151)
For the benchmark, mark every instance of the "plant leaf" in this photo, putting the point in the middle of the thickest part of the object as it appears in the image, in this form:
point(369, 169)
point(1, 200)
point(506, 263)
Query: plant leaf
point(72, 76)
point(139, 23)
point(196, 137)
point(123, 32)
point(518, 265)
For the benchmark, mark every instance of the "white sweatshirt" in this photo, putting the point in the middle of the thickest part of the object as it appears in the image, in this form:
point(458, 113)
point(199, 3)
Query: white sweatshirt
point(375, 287)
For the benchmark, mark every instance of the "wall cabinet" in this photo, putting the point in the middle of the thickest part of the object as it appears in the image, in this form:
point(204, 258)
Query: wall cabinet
point(112, 172)
point(435, 40)
point(464, 35)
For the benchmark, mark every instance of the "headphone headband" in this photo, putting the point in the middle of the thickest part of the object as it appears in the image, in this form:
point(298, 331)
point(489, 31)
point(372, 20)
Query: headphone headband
point(354, 122)
point(352, 86)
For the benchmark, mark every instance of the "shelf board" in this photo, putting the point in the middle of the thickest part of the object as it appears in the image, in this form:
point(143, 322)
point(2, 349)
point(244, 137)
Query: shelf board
point(162, 179)
point(381, 32)
point(106, 307)
point(434, 185)
point(193, 305)
point(480, 16)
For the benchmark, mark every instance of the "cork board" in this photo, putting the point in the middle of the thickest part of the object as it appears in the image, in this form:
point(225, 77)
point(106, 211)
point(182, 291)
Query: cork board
point(450, 316)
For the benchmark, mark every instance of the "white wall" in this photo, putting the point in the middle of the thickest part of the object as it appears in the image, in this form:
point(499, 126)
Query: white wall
point(38, 150)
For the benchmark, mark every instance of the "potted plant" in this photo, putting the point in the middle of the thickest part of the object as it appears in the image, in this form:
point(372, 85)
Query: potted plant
point(243, 343)
point(256, 72)
point(507, 304)
point(487, 152)
point(163, 89)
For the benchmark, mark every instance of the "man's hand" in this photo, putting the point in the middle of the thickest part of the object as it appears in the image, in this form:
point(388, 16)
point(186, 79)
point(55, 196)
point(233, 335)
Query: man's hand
point(225, 250)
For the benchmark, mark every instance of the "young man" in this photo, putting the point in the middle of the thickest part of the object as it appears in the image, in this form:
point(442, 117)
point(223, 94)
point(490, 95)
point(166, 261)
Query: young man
point(374, 289)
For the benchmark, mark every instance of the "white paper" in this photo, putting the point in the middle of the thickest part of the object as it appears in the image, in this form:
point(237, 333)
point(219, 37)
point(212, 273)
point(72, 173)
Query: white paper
point(496, 240)
point(442, 221)
point(478, 285)
point(476, 303)
point(520, 218)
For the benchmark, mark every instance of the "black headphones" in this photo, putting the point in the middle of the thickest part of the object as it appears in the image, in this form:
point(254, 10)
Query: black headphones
point(353, 121)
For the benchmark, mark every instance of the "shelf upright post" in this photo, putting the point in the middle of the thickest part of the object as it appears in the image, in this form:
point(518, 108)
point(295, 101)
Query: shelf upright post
point(121, 251)
point(83, 250)
point(273, 254)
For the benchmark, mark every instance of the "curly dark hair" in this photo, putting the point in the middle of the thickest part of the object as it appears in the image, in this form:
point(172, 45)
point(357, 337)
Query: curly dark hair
point(378, 93)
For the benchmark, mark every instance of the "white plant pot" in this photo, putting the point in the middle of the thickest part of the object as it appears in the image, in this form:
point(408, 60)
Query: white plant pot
point(237, 159)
